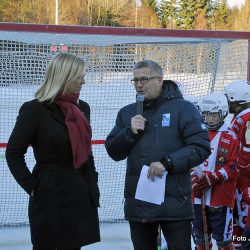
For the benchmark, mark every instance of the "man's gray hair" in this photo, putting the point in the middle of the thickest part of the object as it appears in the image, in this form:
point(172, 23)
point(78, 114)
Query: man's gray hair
point(154, 66)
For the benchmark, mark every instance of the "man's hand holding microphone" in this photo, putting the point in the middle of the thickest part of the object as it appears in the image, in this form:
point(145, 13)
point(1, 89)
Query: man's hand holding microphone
point(138, 124)
point(138, 121)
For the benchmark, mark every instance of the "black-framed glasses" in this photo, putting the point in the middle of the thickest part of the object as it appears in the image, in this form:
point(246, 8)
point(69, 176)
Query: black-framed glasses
point(143, 80)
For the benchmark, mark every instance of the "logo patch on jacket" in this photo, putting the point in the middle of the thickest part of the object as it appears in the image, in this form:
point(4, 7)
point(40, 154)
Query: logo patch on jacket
point(165, 120)
point(203, 126)
point(223, 151)
point(221, 161)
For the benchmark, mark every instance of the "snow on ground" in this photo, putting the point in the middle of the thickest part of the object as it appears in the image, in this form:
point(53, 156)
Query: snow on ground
point(113, 237)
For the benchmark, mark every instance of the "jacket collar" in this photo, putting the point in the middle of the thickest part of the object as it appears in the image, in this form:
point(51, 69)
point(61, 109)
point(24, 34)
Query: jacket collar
point(55, 110)
point(170, 90)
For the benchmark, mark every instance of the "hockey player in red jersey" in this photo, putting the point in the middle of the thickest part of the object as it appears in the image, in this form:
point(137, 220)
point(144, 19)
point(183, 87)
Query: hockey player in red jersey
point(219, 177)
point(238, 94)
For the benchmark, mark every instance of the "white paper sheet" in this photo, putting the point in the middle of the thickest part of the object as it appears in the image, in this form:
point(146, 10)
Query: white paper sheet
point(151, 191)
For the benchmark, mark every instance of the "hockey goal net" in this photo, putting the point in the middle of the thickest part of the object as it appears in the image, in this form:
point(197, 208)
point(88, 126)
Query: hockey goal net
point(202, 61)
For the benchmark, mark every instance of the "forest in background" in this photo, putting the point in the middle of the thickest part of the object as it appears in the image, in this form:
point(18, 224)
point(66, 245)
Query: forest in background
point(171, 14)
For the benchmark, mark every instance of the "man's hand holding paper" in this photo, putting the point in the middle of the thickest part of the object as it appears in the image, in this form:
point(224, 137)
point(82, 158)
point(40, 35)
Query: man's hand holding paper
point(149, 190)
point(155, 169)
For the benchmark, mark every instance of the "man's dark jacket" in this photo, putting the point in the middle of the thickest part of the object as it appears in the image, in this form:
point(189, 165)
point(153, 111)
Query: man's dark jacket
point(175, 130)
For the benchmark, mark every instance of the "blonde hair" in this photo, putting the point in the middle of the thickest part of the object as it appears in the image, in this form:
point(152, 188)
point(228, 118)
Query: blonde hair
point(62, 69)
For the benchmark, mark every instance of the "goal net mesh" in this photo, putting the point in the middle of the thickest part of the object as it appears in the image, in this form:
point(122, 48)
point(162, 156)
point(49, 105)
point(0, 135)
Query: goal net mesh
point(199, 65)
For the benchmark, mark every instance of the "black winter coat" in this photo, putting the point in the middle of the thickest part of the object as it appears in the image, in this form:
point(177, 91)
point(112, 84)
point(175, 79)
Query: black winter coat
point(63, 210)
point(183, 138)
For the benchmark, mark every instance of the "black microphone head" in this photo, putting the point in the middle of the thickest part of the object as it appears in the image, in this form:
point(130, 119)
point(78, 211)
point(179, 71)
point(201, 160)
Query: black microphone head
point(139, 104)
point(140, 98)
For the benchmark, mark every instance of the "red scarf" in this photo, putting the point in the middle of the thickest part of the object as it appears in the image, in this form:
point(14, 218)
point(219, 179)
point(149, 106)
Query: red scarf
point(78, 128)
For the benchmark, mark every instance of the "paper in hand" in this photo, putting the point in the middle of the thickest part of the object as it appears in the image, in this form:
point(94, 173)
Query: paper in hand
point(151, 191)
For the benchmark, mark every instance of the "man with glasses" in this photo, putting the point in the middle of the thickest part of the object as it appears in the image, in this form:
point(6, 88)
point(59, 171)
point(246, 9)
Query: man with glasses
point(169, 136)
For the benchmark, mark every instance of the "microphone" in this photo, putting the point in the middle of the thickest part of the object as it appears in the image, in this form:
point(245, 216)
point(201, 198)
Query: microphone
point(139, 104)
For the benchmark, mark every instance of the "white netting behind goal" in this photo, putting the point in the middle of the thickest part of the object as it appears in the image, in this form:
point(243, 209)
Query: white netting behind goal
point(200, 65)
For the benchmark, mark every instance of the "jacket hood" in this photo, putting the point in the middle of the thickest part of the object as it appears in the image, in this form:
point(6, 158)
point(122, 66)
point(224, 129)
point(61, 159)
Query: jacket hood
point(170, 90)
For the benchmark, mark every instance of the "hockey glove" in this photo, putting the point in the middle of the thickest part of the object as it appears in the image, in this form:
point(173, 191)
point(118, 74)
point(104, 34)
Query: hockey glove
point(210, 179)
point(196, 187)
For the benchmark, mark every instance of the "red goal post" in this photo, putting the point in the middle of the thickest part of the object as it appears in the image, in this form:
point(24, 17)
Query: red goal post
point(202, 61)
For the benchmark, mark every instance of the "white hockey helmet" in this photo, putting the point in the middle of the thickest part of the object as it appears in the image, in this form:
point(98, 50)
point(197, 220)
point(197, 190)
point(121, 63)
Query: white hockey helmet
point(214, 103)
point(238, 91)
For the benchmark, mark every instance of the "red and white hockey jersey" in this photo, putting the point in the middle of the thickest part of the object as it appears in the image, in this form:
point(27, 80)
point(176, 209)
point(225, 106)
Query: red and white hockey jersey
point(241, 126)
point(224, 148)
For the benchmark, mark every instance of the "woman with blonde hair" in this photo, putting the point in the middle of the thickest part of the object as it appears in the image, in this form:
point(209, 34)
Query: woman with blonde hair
point(64, 194)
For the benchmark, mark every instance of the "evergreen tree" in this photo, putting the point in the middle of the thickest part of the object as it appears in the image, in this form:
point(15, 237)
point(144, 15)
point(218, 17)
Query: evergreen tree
point(220, 16)
point(167, 12)
point(244, 16)
point(186, 14)
point(190, 10)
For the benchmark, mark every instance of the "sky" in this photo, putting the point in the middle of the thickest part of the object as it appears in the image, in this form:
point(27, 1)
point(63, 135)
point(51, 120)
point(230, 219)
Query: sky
point(238, 3)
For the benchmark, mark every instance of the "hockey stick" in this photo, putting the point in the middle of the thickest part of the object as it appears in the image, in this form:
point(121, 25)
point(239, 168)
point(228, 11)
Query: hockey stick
point(159, 238)
point(203, 211)
point(204, 220)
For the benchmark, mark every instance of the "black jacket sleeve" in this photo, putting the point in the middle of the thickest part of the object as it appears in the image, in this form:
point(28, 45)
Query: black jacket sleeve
point(194, 133)
point(120, 140)
point(19, 141)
